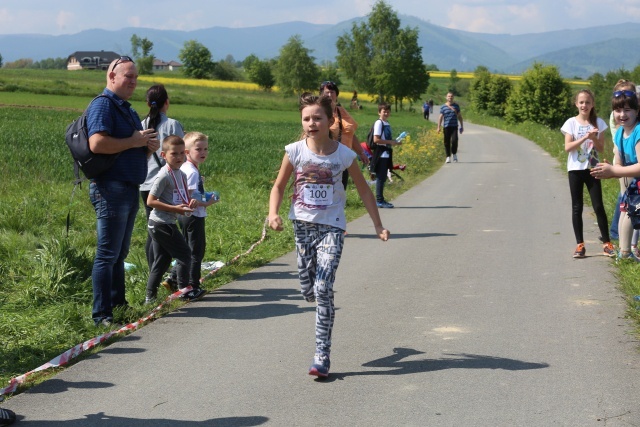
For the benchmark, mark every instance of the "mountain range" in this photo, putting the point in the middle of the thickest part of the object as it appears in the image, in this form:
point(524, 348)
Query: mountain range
point(577, 53)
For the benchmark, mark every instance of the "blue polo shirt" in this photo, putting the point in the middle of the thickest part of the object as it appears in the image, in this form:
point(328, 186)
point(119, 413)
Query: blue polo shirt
point(450, 117)
point(118, 122)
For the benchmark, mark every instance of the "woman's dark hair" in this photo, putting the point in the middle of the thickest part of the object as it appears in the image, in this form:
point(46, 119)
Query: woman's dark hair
point(331, 85)
point(593, 116)
point(156, 98)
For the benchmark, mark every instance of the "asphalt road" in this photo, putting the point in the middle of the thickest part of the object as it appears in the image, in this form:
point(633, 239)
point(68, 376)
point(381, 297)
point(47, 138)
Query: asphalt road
point(473, 314)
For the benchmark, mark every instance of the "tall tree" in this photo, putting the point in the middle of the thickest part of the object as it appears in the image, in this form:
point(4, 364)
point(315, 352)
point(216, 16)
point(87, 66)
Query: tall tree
point(296, 70)
point(541, 97)
point(260, 73)
point(381, 58)
point(196, 59)
point(144, 61)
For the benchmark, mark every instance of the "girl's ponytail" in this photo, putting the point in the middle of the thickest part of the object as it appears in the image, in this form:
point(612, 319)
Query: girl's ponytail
point(156, 98)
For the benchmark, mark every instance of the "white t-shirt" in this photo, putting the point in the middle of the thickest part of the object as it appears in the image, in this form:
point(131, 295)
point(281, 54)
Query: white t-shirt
point(318, 195)
point(383, 130)
point(578, 159)
point(193, 178)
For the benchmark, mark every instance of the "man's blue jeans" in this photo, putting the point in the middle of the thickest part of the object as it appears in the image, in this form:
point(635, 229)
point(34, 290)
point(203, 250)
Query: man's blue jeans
point(116, 206)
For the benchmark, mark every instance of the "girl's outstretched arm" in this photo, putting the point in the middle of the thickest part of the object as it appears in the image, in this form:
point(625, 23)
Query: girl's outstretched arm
point(369, 200)
point(277, 194)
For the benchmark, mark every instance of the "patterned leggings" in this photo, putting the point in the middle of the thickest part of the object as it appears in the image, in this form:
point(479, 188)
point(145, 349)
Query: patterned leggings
point(319, 250)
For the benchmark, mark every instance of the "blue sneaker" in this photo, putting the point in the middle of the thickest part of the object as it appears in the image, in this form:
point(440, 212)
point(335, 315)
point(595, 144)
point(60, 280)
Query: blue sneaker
point(627, 256)
point(384, 205)
point(320, 366)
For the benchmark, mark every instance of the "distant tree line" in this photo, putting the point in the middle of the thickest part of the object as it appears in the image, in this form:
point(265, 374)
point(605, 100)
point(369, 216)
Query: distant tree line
point(542, 95)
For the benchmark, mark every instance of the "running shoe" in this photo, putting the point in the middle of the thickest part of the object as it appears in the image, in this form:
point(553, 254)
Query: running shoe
point(627, 256)
point(170, 285)
point(580, 251)
point(448, 160)
point(455, 158)
point(384, 205)
point(608, 250)
point(194, 295)
point(320, 366)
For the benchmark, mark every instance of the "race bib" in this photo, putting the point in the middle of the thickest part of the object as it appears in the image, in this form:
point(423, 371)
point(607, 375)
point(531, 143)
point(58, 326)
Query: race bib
point(317, 194)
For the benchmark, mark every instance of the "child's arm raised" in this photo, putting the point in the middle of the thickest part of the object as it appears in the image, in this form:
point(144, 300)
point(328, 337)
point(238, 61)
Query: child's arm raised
point(277, 194)
point(369, 201)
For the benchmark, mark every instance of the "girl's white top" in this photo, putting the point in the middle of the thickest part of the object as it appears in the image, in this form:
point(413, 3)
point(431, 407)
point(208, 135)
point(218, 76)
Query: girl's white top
point(578, 159)
point(318, 194)
point(193, 179)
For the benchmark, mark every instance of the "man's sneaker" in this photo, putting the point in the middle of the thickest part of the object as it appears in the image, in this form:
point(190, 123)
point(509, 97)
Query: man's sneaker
point(580, 251)
point(635, 251)
point(149, 300)
point(7, 417)
point(170, 285)
point(455, 158)
point(108, 323)
point(194, 295)
point(608, 250)
point(448, 160)
point(320, 366)
point(384, 205)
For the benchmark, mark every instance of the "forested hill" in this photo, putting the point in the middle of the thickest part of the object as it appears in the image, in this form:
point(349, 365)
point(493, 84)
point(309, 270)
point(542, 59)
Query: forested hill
point(576, 52)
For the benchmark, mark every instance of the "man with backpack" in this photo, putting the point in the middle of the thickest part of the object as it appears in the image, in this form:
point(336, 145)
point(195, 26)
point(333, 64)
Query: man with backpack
point(113, 126)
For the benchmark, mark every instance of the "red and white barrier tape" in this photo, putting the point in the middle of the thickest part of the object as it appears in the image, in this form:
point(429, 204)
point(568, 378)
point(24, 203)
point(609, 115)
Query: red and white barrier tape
point(74, 352)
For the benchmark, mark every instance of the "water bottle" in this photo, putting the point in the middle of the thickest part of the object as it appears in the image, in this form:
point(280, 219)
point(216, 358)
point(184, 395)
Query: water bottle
point(198, 196)
point(212, 194)
point(401, 136)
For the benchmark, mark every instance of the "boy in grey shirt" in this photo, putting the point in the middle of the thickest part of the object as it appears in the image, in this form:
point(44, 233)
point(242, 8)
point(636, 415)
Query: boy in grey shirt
point(169, 197)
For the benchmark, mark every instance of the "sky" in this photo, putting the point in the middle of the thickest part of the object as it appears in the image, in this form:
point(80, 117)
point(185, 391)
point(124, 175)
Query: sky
point(56, 17)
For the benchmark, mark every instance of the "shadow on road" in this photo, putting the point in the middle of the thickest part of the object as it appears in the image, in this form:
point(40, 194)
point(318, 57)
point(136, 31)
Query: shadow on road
point(396, 236)
point(55, 385)
point(458, 361)
point(102, 420)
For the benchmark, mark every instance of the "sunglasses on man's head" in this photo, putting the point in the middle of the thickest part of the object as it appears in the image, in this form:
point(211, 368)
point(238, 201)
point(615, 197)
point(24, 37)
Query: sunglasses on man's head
point(122, 59)
point(627, 93)
point(328, 83)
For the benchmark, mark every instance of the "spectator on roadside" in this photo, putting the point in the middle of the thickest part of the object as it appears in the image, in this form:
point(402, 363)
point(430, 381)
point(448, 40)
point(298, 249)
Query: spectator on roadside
point(382, 161)
point(170, 197)
point(449, 117)
point(583, 139)
point(158, 102)
point(625, 106)
point(113, 126)
point(344, 127)
point(622, 84)
point(426, 110)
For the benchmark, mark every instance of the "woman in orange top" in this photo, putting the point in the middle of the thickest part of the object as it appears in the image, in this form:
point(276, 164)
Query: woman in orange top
point(344, 127)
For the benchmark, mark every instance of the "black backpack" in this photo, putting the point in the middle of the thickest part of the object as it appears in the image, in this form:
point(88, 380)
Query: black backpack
point(372, 145)
point(77, 139)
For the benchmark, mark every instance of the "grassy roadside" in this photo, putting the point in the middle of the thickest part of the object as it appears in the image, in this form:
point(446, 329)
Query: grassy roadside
point(552, 141)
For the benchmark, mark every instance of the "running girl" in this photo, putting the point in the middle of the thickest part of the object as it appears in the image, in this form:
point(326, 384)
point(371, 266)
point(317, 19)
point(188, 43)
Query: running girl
point(317, 211)
point(583, 139)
